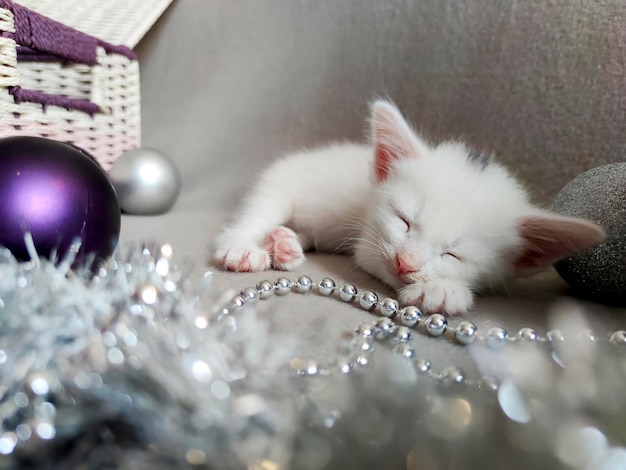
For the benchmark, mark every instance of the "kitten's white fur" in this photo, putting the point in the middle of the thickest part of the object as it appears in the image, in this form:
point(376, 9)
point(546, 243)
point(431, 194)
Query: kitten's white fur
point(432, 222)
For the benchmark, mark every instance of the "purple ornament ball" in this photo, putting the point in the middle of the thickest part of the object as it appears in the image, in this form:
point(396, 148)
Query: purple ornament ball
point(59, 194)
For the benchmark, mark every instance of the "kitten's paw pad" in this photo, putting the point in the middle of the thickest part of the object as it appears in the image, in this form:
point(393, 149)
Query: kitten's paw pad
point(284, 248)
point(438, 296)
point(243, 258)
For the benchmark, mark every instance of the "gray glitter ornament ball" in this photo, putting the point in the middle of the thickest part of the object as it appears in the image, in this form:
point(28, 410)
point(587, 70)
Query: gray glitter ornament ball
point(146, 181)
point(599, 194)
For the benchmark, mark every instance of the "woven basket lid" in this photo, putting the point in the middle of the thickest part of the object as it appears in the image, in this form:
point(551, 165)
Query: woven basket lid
point(121, 22)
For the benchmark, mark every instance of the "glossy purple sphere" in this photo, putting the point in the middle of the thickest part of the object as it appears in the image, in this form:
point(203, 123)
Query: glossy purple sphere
point(58, 193)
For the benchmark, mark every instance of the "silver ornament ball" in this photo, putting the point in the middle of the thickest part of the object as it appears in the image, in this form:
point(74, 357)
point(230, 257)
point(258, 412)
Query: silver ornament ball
point(146, 182)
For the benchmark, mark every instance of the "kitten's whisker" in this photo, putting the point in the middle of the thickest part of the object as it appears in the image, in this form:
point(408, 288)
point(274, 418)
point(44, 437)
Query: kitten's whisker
point(375, 251)
point(366, 245)
point(388, 193)
point(361, 226)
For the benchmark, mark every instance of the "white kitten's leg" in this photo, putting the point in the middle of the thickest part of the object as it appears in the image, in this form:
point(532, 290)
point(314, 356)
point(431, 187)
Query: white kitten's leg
point(284, 248)
point(242, 257)
point(241, 246)
point(438, 295)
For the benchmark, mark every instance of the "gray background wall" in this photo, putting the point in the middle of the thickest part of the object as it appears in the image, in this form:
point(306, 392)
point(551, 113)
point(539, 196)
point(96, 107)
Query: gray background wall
point(227, 85)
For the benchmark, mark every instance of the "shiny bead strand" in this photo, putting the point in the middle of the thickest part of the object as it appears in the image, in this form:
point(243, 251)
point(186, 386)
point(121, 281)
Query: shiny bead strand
point(400, 332)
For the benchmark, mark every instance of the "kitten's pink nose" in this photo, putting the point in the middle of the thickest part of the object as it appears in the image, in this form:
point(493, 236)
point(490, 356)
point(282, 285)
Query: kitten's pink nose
point(404, 266)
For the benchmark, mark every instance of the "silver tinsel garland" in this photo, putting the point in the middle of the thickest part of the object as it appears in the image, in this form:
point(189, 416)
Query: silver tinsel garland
point(139, 365)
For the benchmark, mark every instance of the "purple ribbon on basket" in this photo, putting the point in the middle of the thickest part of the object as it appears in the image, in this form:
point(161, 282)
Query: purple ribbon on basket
point(42, 39)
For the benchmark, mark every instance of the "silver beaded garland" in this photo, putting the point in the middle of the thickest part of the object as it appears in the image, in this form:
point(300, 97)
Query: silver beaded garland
point(347, 292)
point(527, 335)
point(451, 376)
point(423, 366)
point(488, 383)
point(359, 353)
point(496, 338)
point(282, 286)
point(410, 315)
point(326, 287)
point(362, 343)
point(266, 289)
point(555, 337)
point(465, 332)
point(305, 368)
point(239, 301)
point(250, 294)
point(586, 335)
point(368, 300)
point(304, 284)
point(365, 330)
point(618, 338)
point(402, 334)
point(384, 327)
point(344, 366)
point(436, 324)
point(404, 350)
point(388, 307)
point(363, 361)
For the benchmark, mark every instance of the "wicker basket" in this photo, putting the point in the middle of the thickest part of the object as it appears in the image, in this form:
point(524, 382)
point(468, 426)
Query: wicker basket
point(115, 21)
point(66, 85)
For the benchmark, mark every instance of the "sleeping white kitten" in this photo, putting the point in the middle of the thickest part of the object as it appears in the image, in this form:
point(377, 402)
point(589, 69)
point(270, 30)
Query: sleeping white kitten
point(436, 223)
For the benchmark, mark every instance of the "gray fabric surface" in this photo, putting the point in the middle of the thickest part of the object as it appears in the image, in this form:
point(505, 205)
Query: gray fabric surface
point(227, 86)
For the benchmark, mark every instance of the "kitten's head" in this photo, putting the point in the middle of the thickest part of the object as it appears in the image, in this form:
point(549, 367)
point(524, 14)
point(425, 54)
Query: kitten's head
point(446, 212)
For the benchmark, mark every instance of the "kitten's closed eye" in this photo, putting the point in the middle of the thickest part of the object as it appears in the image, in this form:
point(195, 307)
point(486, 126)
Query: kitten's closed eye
point(452, 255)
point(404, 219)
point(406, 222)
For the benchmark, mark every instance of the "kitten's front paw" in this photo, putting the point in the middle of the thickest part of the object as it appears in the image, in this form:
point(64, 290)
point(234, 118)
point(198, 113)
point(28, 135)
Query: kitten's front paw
point(245, 257)
point(438, 296)
point(284, 248)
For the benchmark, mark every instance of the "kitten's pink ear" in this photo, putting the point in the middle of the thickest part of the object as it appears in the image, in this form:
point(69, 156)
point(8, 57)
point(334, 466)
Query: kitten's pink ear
point(392, 137)
point(548, 238)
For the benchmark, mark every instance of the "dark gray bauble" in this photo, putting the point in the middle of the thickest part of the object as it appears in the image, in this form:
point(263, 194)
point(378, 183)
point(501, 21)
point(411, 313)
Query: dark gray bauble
point(599, 194)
